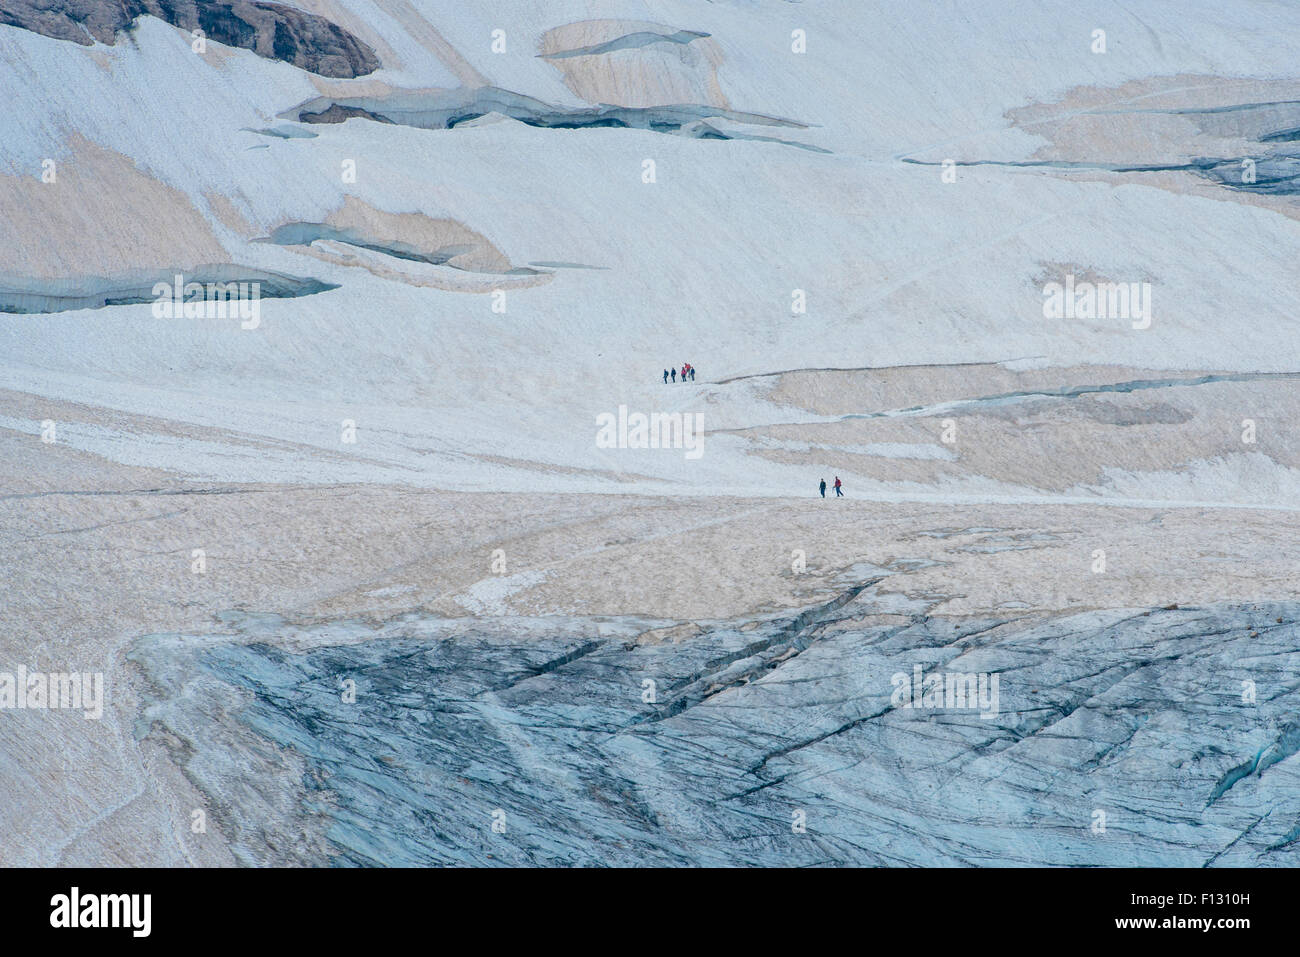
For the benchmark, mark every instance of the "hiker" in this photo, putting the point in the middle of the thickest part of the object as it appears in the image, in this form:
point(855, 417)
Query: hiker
point(674, 374)
point(823, 488)
point(838, 493)
point(691, 369)
point(683, 373)
point(665, 377)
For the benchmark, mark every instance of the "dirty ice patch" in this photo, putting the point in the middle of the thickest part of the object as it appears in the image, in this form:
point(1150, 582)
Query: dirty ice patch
point(884, 450)
point(489, 596)
point(1244, 479)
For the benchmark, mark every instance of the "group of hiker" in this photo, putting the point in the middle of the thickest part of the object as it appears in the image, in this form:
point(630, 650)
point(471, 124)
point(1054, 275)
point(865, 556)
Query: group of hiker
point(688, 370)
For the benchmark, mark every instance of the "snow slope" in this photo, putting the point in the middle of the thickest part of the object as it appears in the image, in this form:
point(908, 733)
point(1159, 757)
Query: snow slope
point(161, 168)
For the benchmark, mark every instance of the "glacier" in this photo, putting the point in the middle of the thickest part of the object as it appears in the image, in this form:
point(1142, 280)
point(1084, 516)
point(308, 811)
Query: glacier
point(482, 230)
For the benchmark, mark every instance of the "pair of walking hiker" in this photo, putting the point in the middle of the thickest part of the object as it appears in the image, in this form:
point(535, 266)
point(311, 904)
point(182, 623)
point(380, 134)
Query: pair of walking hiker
point(687, 369)
point(838, 493)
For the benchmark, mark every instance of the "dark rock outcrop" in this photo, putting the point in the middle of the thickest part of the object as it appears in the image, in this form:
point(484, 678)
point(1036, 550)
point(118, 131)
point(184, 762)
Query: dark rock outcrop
point(268, 29)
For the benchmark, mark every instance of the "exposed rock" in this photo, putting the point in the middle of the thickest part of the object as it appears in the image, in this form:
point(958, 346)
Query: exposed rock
point(271, 30)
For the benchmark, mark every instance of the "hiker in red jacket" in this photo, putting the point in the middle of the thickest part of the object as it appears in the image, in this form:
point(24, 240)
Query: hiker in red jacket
point(838, 493)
